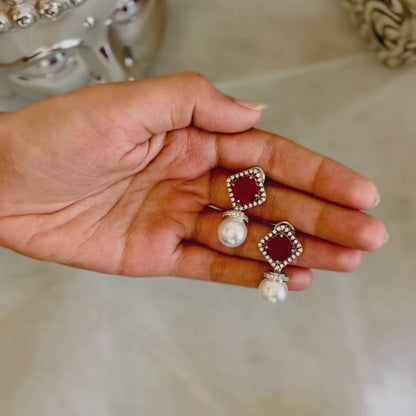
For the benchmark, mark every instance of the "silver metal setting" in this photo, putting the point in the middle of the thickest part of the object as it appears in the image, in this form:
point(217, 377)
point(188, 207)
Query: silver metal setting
point(276, 277)
point(268, 290)
point(232, 231)
point(25, 13)
point(287, 225)
point(259, 176)
point(236, 215)
point(283, 229)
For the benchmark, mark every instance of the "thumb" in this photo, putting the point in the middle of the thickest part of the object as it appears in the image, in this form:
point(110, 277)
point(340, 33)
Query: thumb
point(177, 101)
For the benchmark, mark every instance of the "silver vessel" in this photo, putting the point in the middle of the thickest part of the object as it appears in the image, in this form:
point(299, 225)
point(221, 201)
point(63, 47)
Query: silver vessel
point(52, 46)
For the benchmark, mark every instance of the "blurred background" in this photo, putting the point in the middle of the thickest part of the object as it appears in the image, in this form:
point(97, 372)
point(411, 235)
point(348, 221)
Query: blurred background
point(80, 343)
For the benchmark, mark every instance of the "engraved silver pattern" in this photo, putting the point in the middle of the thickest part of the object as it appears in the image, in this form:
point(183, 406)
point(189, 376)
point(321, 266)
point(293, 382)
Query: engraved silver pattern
point(50, 9)
point(53, 46)
point(23, 15)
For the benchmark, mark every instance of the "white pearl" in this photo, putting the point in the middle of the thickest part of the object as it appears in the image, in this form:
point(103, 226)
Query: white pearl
point(232, 233)
point(273, 291)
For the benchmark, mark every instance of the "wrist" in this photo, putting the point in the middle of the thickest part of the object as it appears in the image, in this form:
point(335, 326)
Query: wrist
point(6, 164)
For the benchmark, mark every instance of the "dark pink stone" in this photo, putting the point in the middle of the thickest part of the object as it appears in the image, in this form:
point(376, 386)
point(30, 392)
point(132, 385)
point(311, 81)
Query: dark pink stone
point(279, 247)
point(245, 190)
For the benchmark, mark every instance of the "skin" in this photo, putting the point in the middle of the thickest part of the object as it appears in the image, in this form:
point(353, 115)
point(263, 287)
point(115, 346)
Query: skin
point(118, 178)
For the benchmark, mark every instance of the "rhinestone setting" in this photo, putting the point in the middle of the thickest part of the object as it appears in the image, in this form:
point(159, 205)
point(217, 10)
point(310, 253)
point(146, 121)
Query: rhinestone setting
point(246, 189)
point(280, 248)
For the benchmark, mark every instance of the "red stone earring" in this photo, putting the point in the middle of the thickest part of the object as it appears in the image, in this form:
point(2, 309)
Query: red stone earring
point(280, 247)
point(246, 190)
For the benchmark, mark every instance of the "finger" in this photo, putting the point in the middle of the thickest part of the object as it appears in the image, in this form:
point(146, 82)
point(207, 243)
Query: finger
point(293, 165)
point(198, 262)
point(317, 253)
point(308, 214)
point(176, 101)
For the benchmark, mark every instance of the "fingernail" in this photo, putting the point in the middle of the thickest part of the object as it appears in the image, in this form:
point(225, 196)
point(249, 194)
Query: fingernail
point(387, 238)
point(251, 105)
point(378, 199)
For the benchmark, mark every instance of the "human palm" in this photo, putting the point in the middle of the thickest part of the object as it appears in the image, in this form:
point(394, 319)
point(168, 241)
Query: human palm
point(122, 179)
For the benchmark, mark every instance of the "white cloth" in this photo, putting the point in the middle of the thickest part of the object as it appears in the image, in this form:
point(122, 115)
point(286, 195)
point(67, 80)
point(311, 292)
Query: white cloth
point(78, 343)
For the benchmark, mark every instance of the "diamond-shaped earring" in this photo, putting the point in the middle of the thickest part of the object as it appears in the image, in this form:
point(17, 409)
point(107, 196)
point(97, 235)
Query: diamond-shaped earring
point(246, 190)
point(280, 248)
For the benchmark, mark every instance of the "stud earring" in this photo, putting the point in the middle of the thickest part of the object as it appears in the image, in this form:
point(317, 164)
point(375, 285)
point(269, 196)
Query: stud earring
point(246, 190)
point(280, 248)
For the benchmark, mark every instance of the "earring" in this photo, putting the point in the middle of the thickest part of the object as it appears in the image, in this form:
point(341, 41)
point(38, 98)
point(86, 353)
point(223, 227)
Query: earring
point(280, 247)
point(246, 190)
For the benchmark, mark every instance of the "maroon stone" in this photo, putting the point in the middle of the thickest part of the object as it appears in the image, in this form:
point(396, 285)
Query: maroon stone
point(245, 190)
point(279, 247)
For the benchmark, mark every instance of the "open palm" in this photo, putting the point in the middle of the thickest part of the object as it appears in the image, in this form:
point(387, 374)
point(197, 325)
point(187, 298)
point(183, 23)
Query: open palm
point(122, 179)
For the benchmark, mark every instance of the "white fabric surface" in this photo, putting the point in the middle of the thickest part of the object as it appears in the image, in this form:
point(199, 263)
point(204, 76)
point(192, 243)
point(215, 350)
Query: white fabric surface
point(78, 343)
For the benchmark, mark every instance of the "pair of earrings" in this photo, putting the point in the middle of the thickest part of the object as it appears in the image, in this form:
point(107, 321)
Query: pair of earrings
point(280, 246)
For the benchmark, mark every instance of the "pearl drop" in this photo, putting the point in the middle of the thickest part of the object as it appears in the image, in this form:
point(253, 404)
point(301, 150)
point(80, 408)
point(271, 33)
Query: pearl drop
point(232, 233)
point(273, 291)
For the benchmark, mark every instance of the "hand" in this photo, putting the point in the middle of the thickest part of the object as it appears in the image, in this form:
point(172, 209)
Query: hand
point(118, 178)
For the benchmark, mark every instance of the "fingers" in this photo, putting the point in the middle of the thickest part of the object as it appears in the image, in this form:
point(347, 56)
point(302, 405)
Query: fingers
point(317, 253)
point(198, 262)
point(310, 215)
point(177, 101)
point(293, 165)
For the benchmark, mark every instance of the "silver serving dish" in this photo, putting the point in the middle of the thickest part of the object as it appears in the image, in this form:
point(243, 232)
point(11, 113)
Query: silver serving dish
point(52, 46)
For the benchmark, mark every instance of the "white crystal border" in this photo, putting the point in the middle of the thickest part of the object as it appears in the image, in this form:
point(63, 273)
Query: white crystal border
point(258, 175)
point(286, 229)
point(236, 215)
point(276, 277)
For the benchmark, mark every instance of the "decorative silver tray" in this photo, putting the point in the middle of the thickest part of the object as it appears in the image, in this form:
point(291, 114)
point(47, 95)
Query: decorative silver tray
point(52, 46)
